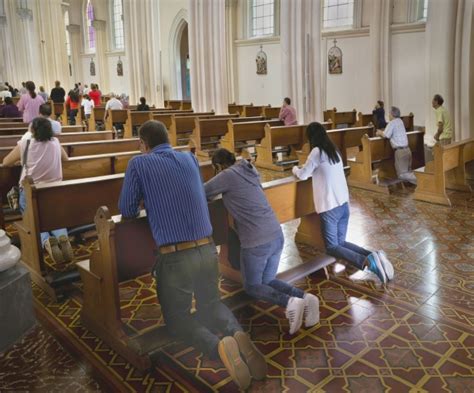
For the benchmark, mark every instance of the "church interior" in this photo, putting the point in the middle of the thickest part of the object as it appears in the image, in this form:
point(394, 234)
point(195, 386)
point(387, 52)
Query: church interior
point(387, 85)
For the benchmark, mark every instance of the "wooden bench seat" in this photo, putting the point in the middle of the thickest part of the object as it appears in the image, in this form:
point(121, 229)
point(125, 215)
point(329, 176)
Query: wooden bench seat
point(377, 152)
point(13, 124)
point(11, 119)
point(134, 120)
point(446, 171)
point(270, 112)
point(166, 117)
point(239, 134)
point(12, 140)
point(21, 131)
point(348, 119)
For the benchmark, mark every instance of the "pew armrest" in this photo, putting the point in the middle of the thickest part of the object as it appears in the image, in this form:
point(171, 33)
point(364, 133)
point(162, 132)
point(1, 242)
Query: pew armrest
point(20, 227)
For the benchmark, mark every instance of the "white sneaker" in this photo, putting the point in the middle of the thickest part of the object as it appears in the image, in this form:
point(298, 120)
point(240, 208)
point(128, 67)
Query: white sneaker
point(386, 264)
point(294, 312)
point(311, 310)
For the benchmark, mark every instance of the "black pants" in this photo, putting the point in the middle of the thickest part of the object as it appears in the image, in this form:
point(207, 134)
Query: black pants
point(72, 116)
point(178, 276)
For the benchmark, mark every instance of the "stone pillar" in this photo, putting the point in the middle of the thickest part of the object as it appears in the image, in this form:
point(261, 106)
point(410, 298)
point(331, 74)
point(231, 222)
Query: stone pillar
point(6, 53)
point(381, 53)
point(301, 56)
point(142, 45)
point(100, 57)
point(75, 41)
point(52, 33)
point(449, 64)
point(207, 47)
point(231, 33)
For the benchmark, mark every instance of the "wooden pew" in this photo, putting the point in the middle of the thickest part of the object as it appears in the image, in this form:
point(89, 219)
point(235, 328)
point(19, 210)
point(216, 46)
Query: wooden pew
point(377, 152)
point(292, 136)
point(446, 171)
point(207, 132)
point(116, 117)
point(338, 118)
point(96, 117)
point(13, 124)
point(367, 119)
point(76, 149)
point(116, 261)
point(244, 132)
point(135, 119)
point(11, 120)
point(271, 112)
point(237, 108)
point(12, 140)
point(183, 125)
point(409, 122)
point(178, 104)
point(21, 131)
point(251, 110)
point(343, 138)
point(165, 117)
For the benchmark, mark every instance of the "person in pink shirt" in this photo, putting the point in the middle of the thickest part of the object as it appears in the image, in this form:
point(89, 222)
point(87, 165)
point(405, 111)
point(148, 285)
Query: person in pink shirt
point(288, 113)
point(29, 103)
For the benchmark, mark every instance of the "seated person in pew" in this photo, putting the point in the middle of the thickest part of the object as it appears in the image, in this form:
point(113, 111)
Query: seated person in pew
point(288, 113)
point(45, 111)
point(261, 238)
point(379, 115)
point(88, 105)
point(143, 106)
point(114, 104)
point(10, 110)
point(444, 133)
point(41, 158)
point(396, 132)
point(169, 183)
point(331, 200)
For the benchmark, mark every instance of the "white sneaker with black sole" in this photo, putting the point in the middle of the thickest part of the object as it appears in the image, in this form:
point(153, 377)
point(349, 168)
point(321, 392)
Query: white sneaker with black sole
point(294, 312)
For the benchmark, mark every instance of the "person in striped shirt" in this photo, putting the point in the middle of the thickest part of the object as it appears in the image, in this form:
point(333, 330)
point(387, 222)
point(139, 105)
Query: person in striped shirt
point(169, 184)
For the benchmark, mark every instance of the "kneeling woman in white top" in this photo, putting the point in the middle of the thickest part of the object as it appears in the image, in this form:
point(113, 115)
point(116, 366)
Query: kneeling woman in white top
point(331, 200)
point(43, 155)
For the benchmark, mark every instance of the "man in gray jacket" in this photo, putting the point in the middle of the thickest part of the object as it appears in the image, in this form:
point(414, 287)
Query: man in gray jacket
point(260, 236)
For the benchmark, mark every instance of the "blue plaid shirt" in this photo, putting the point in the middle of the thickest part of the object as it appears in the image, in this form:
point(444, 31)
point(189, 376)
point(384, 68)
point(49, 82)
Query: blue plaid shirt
point(169, 183)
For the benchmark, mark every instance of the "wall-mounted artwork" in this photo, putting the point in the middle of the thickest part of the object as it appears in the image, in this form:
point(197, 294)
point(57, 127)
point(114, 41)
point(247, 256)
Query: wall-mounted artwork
point(335, 59)
point(261, 61)
point(119, 67)
point(92, 67)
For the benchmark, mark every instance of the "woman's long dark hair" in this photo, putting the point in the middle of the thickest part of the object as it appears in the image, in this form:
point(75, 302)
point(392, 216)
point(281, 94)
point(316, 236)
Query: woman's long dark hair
point(74, 95)
point(318, 137)
point(30, 86)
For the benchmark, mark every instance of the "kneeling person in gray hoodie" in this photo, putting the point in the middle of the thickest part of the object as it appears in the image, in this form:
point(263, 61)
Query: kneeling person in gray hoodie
point(261, 238)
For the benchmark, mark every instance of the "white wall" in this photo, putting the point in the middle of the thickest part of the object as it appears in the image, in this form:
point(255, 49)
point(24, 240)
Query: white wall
point(118, 84)
point(259, 89)
point(408, 74)
point(353, 88)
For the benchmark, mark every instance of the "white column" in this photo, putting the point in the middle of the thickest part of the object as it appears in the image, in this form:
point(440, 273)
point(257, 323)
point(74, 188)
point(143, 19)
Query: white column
point(207, 45)
point(52, 34)
point(449, 64)
point(301, 56)
point(75, 41)
point(231, 33)
point(381, 54)
point(7, 72)
point(142, 45)
point(100, 57)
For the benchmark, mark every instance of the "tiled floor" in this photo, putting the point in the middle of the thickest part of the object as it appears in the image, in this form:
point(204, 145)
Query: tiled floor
point(414, 335)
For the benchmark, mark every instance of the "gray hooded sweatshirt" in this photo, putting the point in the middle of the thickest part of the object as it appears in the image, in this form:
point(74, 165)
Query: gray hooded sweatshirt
point(245, 200)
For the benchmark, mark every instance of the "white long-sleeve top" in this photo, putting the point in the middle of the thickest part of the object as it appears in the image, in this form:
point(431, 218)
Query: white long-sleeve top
point(329, 182)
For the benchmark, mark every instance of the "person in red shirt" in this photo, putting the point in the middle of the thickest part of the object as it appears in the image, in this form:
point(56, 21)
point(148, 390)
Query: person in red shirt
point(95, 95)
point(72, 106)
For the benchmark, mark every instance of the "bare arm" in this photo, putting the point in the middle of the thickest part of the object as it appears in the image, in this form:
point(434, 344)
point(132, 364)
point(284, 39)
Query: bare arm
point(440, 130)
point(64, 156)
point(13, 157)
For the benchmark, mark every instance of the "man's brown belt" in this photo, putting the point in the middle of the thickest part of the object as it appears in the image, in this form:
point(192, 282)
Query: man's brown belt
point(184, 246)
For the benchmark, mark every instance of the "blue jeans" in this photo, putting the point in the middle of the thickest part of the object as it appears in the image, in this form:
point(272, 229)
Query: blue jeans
point(334, 227)
point(44, 235)
point(259, 266)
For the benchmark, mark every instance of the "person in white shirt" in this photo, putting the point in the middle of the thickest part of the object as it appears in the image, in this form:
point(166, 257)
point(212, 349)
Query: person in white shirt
point(4, 92)
point(88, 104)
point(397, 134)
point(113, 104)
point(86, 89)
point(44, 111)
point(331, 200)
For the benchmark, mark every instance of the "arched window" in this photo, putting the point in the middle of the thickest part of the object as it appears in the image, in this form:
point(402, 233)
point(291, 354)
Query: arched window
point(68, 41)
point(117, 24)
point(90, 36)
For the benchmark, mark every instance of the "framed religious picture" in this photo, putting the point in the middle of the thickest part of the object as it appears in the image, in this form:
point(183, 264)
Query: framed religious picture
point(119, 67)
point(335, 59)
point(92, 67)
point(261, 62)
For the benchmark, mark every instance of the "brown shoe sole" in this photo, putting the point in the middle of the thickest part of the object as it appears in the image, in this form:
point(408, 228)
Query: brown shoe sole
point(230, 356)
point(54, 251)
point(252, 356)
